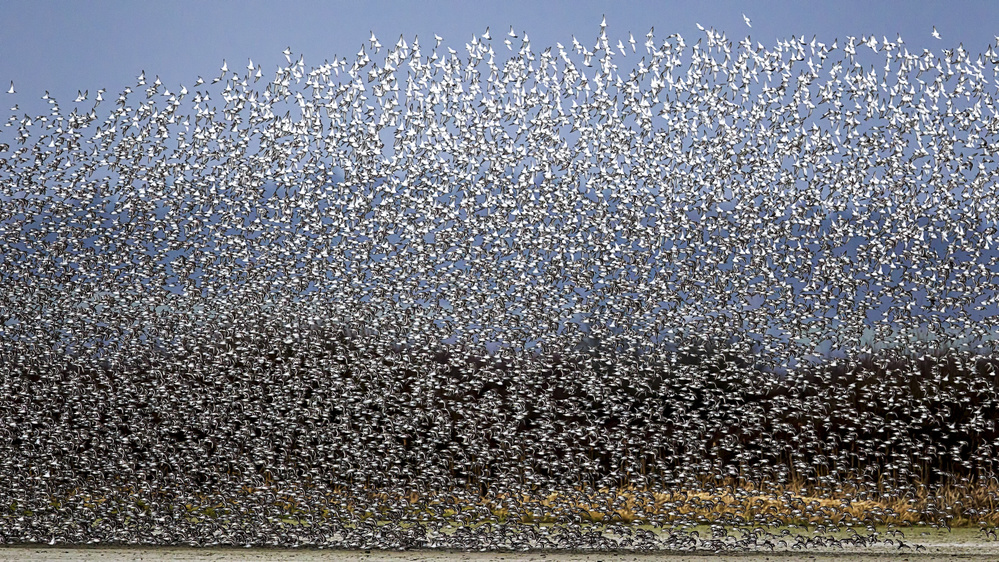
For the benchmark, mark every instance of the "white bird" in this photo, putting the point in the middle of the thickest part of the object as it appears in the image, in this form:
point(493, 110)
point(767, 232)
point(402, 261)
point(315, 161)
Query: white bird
point(747, 20)
point(936, 34)
point(11, 90)
point(179, 149)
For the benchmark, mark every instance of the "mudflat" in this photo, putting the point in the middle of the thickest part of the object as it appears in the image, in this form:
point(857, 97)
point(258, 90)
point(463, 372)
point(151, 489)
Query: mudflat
point(933, 549)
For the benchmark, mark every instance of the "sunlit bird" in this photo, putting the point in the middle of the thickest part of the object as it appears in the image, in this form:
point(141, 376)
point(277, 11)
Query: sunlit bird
point(418, 282)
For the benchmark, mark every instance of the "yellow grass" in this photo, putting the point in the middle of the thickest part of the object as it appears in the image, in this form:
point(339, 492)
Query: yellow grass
point(777, 505)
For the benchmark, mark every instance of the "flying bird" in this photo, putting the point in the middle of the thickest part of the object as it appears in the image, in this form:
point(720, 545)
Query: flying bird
point(477, 224)
point(746, 19)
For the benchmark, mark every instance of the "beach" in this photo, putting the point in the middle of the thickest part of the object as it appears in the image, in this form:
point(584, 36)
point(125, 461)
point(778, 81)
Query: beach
point(984, 551)
point(922, 545)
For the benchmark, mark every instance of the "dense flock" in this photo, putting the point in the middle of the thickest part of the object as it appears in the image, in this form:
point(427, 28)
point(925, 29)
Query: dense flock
point(495, 296)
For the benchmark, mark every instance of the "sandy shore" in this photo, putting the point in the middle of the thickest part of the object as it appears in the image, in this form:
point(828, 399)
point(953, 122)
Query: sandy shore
point(962, 550)
point(919, 544)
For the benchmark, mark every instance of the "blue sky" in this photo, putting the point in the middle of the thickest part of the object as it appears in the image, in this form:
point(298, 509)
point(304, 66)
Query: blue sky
point(65, 47)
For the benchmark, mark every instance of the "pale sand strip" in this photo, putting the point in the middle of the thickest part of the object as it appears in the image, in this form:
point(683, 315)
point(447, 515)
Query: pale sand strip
point(951, 552)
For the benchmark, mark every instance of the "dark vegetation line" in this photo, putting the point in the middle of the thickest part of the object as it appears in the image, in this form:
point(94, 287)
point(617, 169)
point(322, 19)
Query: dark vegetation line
point(660, 423)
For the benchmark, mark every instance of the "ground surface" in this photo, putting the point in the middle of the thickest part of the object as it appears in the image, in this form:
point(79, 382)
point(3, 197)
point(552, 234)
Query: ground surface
point(959, 544)
point(27, 554)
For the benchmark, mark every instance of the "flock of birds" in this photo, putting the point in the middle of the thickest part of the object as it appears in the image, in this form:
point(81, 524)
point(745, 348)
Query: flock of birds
point(264, 297)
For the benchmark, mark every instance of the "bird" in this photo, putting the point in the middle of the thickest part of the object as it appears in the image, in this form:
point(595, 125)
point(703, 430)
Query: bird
point(747, 20)
point(396, 294)
point(936, 34)
point(11, 89)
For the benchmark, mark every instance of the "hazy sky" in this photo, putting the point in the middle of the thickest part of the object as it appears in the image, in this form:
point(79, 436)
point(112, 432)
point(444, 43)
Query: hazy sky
point(63, 46)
